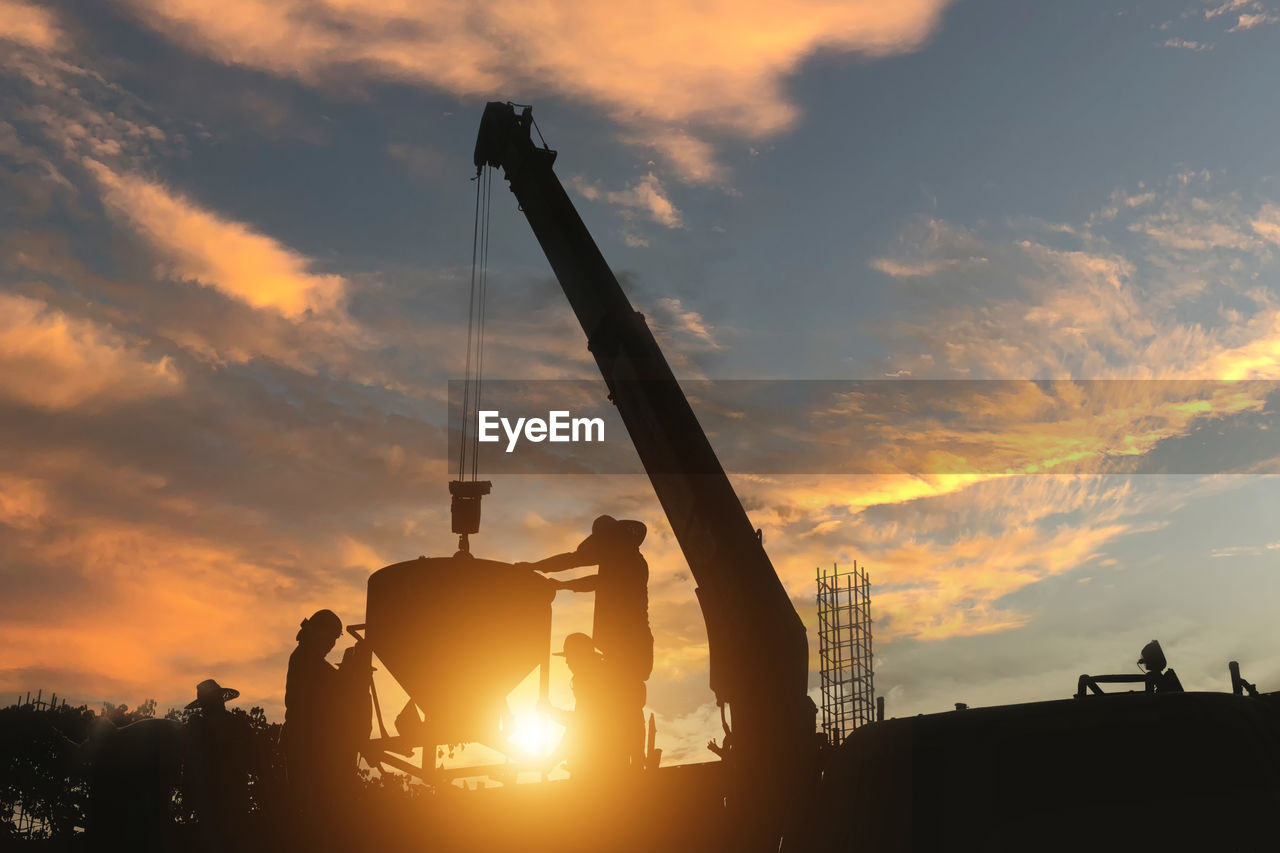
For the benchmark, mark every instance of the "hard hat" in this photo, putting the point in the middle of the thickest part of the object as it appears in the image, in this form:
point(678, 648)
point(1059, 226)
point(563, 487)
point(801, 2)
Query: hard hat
point(323, 623)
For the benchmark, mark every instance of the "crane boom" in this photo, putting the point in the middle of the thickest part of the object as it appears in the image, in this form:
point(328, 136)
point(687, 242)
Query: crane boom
point(757, 646)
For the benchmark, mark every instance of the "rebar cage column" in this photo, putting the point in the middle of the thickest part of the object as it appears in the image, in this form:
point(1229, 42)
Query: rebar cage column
point(846, 674)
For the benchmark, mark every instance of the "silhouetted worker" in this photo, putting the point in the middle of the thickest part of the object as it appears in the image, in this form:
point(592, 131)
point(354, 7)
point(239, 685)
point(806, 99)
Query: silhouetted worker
point(325, 708)
point(219, 760)
point(597, 731)
point(620, 625)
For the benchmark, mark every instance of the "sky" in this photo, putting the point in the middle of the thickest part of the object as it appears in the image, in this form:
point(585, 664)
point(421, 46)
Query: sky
point(235, 249)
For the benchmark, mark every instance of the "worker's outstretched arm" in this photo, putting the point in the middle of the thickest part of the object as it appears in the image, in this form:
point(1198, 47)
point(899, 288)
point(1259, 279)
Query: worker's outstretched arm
point(559, 563)
point(586, 583)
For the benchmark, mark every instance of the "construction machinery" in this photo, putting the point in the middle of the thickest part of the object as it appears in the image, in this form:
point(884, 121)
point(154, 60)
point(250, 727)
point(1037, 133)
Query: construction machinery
point(759, 655)
point(456, 675)
point(1034, 776)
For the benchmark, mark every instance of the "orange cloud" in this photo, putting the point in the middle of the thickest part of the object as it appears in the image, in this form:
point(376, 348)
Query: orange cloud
point(1101, 311)
point(1257, 359)
point(913, 269)
point(646, 195)
point(656, 66)
point(680, 329)
point(51, 360)
point(692, 159)
point(1229, 6)
point(229, 256)
point(1248, 22)
point(942, 562)
point(23, 502)
point(29, 25)
point(1267, 223)
point(142, 610)
point(955, 587)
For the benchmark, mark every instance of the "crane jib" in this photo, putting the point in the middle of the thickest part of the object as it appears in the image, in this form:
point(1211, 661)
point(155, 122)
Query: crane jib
point(757, 645)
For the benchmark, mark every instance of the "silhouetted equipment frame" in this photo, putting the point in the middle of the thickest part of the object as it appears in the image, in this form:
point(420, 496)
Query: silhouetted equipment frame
point(1157, 678)
point(1238, 685)
point(759, 654)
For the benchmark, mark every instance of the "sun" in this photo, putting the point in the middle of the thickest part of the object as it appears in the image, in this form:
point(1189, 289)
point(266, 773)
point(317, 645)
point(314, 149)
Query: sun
point(534, 735)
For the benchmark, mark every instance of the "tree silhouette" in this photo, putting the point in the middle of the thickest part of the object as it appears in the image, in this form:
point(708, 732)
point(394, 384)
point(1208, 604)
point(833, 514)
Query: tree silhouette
point(46, 771)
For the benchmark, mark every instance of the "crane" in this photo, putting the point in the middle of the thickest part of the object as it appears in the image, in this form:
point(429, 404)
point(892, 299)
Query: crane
point(1001, 775)
point(758, 650)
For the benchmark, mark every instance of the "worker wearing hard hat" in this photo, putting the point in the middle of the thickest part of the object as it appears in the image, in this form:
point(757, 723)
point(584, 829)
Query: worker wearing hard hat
point(620, 626)
point(326, 719)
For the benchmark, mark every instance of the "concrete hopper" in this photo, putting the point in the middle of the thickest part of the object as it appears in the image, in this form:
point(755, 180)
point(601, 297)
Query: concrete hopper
point(458, 634)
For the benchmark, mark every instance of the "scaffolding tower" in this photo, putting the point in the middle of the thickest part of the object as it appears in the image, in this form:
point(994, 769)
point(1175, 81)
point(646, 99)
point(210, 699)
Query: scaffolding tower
point(846, 674)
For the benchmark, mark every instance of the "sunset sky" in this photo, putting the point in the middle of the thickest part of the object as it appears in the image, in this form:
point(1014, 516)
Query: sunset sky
point(235, 247)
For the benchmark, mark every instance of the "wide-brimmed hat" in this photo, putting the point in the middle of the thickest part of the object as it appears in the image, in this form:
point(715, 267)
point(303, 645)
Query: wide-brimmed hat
point(628, 530)
point(211, 692)
point(634, 530)
point(577, 645)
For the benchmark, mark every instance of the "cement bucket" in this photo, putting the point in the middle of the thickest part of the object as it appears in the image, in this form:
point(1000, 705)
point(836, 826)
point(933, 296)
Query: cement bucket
point(459, 634)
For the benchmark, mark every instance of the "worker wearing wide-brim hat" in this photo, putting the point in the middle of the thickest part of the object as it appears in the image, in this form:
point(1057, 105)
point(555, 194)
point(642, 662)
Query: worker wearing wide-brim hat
point(577, 647)
point(210, 694)
point(219, 759)
point(597, 740)
point(582, 656)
